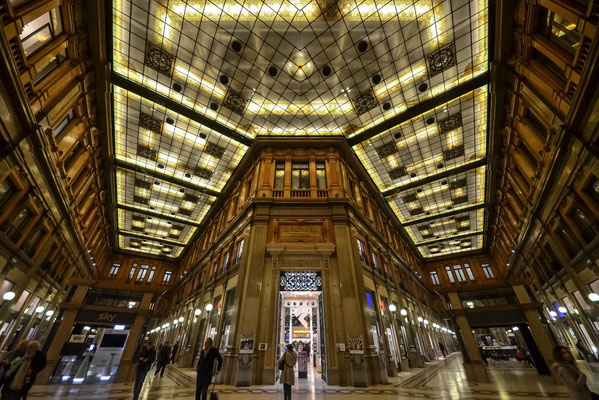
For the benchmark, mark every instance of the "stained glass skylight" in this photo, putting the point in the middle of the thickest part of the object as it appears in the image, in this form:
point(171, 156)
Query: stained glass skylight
point(305, 67)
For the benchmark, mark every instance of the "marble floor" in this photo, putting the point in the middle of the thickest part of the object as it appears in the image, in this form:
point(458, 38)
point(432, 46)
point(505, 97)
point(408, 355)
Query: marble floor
point(439, 380)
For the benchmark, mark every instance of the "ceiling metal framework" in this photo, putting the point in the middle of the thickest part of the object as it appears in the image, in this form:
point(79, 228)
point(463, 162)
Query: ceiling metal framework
point(405, 82)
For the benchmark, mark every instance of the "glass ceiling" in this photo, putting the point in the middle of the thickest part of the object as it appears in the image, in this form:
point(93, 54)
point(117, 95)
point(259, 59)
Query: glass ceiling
point(300, 68)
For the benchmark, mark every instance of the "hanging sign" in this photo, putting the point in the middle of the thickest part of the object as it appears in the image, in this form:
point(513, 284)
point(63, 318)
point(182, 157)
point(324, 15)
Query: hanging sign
point(301, 281)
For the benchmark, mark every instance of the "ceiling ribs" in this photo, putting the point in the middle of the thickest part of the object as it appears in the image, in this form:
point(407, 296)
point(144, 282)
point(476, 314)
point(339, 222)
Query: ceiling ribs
point(435, 177)
point(456, 237)
point(151, 238)
point(443, 215)
point(172, 105)
point(164, 177)
point(421, 108)
point(157, 215)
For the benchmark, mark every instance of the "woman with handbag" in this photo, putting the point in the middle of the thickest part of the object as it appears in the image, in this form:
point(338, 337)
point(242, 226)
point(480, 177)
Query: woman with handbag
point(576, 382)
point(286, 365)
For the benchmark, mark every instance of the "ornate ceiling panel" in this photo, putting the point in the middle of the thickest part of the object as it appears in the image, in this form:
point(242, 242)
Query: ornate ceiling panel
point(243, 69)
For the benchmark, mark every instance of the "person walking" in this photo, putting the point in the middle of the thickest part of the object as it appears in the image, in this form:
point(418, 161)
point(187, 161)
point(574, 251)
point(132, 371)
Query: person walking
point(206, 370)
point(174, 352)
point(286, 365)
point(565, 368)
point(442, 348)
point(164, 354)
point(10, 356)
point(146, 358)
point(22, 371)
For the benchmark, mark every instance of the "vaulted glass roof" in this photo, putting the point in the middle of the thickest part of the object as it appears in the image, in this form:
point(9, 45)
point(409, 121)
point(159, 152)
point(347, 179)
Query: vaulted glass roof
point(404, 81)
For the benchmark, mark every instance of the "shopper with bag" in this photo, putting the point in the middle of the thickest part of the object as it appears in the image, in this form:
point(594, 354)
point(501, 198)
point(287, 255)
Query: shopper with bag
point(576, 382)
point(286, 366)
point(206, 370)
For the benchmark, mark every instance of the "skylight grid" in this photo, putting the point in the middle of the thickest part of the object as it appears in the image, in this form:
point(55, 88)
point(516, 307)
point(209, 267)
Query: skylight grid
point(447, 227)
point(148, 246)
point(451, 135)
point(136, 223)
point(194, 46)
point(150, 136)
point(451, 246)
point(456, 192)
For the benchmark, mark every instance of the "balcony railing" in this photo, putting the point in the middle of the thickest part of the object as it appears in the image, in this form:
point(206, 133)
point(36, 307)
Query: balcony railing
point(303, 193)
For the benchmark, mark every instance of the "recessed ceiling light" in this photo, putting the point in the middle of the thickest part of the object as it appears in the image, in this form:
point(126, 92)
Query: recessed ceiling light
point(422, 87)
point(440, 166)
point(161, 166)
point(187, 175)
point(376, 79)
point(362, 46)
point(430, 120)
point(449, 207)
point(149, 218)
point(413, 175)
point(386, 106)
point(397, 135)
point(169, 223)
point(419, 190)
point(236, 46)
point(428, 213)
point(170, 121)
point(152, 208)
point(272, 70)
point(326, 70)
point(203, 135)
point(213, 106)
point(224, 79)
point(173, 213)
point(177, 87)
point(157, 183)
point(181, 190)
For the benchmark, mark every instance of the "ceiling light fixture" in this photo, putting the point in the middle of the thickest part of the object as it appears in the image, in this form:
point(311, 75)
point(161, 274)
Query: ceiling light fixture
point(300, 66)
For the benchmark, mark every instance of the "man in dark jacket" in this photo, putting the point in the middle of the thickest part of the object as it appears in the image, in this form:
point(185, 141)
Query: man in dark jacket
point(164, 354)
point(174, 352)
point(206, 370)
point(146, 358)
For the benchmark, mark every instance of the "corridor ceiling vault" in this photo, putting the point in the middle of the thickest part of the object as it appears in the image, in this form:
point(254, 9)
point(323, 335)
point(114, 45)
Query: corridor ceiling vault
point(194, 82)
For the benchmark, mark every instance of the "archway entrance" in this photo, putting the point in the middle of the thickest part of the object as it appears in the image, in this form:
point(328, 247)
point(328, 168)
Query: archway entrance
point(301, 322)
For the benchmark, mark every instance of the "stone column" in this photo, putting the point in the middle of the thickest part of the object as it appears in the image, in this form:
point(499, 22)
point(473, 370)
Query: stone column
point(476, 370)
point(62, 334)
point(126, 369)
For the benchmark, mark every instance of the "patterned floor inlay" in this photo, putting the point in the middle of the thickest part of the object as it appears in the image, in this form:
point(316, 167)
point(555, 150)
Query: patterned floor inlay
point(442, 380)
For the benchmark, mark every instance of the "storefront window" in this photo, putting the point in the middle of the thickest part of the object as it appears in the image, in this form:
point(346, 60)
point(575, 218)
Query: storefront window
point(152, 272)
point(449, 274)
point(114, 270)
point(132, 272)
point(488, 271)
point(167, 277)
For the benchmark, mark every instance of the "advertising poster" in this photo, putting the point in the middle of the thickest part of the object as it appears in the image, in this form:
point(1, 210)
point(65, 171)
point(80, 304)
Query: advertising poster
point(355, 344)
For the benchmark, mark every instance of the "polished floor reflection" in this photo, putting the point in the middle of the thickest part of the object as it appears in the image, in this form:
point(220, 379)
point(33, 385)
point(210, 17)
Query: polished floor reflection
point(440, 380)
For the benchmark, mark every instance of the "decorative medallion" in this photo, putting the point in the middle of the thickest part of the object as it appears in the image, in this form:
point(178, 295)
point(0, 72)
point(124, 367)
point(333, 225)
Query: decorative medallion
point(147, 152)
point(141, 200)
point(364, 103)
point(441, 60)
point(450, 123)
point(184, 211)
point(235, 102)
point(386, 150)
point(454, 152)
point(397, 173)
point(143, 184)
point(159, 60)
point(408, 198)
point(214, 150)
point(460, 183)
point(416, 211)
point(460, 200)
point(191, 198)
point(149, 122)
point(203, 173)
point(301, 281)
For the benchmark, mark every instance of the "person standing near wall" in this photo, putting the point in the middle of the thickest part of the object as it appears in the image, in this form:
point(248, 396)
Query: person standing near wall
point(442, 348)
point(576, 382)
point(206, 370)
point(164, 354)
point(174, 352)
point(22, 371)
point(146, 358)
point(287, 365)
